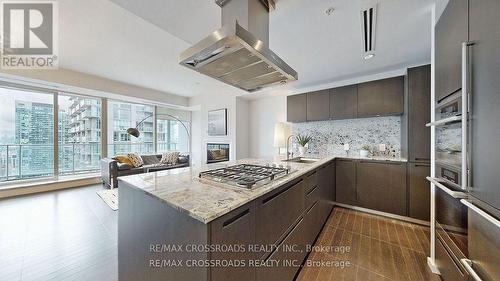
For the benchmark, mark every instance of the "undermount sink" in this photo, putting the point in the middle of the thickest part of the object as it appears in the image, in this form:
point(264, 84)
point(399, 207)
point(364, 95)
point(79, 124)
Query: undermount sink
point(302, 160)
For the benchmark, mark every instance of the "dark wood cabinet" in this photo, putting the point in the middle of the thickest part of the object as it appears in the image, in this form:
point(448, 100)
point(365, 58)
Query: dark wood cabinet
point(451, 30)
point(276, 212)
point(318, 105)
point(344, 102)
point(345, 181)
point(419, 191)
point(376, 98)
point(296, 239)
point(296, 108)
point(234, 228)
point(484, 32)
point(381, 97)
point(382, 186)
point(419, 114)
point(325, 190)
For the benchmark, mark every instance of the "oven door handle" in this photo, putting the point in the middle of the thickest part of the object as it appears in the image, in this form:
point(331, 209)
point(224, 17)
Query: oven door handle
point(468, 266)
point(454, 194)
point(480, 212)
point(445, 121)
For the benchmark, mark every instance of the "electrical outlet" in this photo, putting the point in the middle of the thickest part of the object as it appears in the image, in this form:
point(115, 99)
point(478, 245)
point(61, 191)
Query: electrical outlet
point(381, 147)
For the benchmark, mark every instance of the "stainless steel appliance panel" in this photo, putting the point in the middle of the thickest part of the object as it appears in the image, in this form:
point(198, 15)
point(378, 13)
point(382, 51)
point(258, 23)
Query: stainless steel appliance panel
point(484, 241)
point(451, 221)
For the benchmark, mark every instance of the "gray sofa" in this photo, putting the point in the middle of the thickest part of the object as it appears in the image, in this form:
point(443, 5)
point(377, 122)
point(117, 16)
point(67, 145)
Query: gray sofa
point(111, 169)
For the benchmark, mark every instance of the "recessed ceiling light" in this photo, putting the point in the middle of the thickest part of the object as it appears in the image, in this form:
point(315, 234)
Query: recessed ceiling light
point(369, 56)
point(329, 11)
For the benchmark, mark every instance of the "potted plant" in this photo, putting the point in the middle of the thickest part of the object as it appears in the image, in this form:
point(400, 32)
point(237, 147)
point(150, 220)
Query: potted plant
point(365, 149)
point(303, 141)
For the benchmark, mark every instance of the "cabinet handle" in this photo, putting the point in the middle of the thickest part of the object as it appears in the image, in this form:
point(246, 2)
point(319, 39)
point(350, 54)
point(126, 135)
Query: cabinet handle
point(468, 266)
point(421, 165)
point(310, 208)
point(480, 212)
point(279, 193)
point(312, 190)
point(235, 218)
point(421, 159)
point(465, 111)
point(454, 194)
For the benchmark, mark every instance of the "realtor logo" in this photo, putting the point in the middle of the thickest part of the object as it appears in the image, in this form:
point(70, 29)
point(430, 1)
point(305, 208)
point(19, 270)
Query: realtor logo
point(29, 35)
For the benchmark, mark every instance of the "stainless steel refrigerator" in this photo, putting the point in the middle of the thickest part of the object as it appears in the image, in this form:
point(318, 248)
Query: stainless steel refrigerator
point(467, 152)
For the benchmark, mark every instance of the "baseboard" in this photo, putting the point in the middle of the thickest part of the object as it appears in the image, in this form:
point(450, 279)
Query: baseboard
point(384, 214)
point(47, 186)
point(432, 266)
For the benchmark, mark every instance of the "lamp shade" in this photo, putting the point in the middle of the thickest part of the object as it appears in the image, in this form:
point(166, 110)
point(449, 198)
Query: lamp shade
point(281, 132)
point(134, 132)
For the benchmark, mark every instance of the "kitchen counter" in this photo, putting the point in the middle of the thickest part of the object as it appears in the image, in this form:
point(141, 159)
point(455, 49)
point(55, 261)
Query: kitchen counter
point(182, 189)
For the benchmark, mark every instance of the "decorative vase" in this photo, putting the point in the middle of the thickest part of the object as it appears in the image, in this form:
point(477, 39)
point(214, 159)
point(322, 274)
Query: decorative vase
point(302, 150)
point(363, 153)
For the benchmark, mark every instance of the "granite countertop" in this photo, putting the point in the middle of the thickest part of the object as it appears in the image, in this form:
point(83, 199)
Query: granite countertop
point(182, 189)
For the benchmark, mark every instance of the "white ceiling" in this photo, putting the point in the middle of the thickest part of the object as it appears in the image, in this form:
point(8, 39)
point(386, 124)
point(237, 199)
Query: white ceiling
point(138, 42)
point(101, 38)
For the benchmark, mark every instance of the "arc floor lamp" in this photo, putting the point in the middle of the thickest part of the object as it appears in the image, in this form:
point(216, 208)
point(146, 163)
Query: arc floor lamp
point(136, 133)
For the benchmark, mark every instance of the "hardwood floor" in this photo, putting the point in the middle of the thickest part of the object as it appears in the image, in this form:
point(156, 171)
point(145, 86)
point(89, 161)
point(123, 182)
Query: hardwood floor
point(367, 247)
point(63, 235)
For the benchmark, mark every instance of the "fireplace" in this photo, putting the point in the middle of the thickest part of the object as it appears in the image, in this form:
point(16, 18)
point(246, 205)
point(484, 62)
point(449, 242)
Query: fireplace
point(217, 152)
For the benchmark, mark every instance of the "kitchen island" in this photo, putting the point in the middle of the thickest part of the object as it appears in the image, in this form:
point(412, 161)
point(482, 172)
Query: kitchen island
point(173, 226)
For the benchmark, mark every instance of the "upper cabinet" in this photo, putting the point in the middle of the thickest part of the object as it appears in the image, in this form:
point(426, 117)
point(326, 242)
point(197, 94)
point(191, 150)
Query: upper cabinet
point(419, 113)
point(344, 102)
point(451, 31)
point(318, 105)
point(377, 98)
point(296, 108)
point(381, 97)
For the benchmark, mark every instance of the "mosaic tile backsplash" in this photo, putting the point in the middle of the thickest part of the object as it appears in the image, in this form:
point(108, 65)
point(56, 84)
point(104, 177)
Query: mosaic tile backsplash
point(329, 137)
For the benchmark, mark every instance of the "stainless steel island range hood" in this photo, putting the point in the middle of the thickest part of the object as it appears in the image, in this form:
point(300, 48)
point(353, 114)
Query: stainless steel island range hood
point(237, 54)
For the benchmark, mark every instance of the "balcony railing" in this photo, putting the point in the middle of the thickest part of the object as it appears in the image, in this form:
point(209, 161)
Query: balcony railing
point(31, 161)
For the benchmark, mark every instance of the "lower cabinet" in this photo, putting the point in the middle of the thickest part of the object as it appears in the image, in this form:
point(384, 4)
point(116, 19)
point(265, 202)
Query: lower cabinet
point(313, 222)
point(345, 181)
point(235, 228)
point(286, 259)
point(381, 186)
point(277, 211)
point(419, 191)
point(326, 189)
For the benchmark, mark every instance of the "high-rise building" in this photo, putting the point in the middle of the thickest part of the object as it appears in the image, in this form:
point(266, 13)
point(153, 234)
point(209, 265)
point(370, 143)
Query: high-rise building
point(83, 143)
point(122, 116)
point(35, 137)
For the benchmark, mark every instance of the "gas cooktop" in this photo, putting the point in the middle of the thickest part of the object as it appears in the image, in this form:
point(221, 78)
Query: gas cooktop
point(245, 175)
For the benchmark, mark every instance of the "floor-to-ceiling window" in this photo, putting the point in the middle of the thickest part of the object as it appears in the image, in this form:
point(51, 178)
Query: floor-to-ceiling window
point(45, 133)
point(124, 115)
point(26, 134)
point(79, 134)
point(172, 135)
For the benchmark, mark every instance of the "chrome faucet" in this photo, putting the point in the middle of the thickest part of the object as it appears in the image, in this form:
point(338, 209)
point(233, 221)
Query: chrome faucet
point(288, 153)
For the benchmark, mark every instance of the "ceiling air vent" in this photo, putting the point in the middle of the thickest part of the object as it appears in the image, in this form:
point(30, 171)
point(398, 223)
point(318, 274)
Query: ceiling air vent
point(368, 24)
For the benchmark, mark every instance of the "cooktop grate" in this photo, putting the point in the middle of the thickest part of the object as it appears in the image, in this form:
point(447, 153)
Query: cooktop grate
point(245, 175)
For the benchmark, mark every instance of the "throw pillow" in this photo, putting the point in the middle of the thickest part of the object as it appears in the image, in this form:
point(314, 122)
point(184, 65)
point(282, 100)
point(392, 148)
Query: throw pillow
point(150, 160)
point(168, 158)
point(123, 159)
point(174, 157)
point(135, 159)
